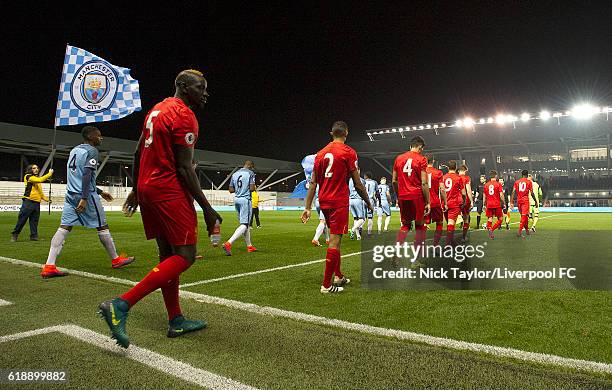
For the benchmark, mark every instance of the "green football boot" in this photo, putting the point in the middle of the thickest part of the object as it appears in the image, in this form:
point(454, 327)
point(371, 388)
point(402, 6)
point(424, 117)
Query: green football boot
point(178, 326)
point(115, 312)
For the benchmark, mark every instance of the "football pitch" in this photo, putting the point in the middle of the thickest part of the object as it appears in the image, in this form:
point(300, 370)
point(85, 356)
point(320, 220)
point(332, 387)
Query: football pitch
point(270, 327)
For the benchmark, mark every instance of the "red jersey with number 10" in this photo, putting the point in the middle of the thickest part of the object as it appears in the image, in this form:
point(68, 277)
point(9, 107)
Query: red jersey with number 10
point(408, 167)
point(523, 187)
point(453, 184)
point(169, 123)
point(492, 190)
point(333, 166)
point(434, 178)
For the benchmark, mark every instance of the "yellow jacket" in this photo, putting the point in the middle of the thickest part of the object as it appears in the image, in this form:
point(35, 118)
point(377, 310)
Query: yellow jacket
point(255, 199)
point(33, 187)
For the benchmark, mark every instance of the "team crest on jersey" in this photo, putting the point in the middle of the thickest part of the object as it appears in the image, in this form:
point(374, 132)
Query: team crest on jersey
point(189, 138)
point(94, 87)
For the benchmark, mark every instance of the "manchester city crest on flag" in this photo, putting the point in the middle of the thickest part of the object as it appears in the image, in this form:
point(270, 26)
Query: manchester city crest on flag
point(94, 87)
point(94, 90)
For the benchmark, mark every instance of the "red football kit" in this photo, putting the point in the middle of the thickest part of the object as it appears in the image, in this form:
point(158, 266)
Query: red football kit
point(333, 166)
point(465, 180)
point(492, 191)
point(166, 207)
point(434, 178)
point(453, 184)
point(523, 187)
point(408, 168)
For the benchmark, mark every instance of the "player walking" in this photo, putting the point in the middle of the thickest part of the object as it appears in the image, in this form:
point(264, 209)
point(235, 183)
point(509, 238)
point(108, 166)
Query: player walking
point(455, 195)
point(241, 185)
point(534, 203)
point(372, 189)
point(385, 202)
point(357, 209)
point(494, 202)
point(82, 204)
point(479, 199)
point(334, 165)
point(321, 227)
point(506, 210)
point(437, 197)
point(167, 187)
point(466, 182)
point(412, 189)
point(523, 188)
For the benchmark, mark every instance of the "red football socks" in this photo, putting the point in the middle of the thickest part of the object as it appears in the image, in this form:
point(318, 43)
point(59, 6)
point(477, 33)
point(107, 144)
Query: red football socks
point(419, 237)
point(159, 276)
point(437, 233)
point(450, 232)
point(401, 235)
point(489, 226)
point(171, 298)
point(498, 224)
point(524, 223)
point(332, 264)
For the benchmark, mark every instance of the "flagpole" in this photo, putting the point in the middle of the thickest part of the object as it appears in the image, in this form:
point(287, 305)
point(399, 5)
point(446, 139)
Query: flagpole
point(52, 159)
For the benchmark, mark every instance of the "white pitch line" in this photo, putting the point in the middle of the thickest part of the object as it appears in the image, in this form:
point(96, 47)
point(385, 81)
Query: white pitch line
point(144, 356)
point(264, 270)
point(5, 303)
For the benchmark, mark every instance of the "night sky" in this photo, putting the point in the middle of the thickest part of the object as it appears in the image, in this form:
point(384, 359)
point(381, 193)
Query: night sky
point(279, 77)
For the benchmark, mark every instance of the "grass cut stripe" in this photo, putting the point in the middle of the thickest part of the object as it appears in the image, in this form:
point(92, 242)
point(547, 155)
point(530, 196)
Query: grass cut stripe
point(144, 356)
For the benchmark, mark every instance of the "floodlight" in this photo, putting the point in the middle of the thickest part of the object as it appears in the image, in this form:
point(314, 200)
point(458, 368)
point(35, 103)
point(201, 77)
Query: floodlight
point(544, 115)
point(525, 117)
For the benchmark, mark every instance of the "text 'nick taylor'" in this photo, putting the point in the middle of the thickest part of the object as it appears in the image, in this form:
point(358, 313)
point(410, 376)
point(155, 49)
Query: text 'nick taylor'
point(457, 273)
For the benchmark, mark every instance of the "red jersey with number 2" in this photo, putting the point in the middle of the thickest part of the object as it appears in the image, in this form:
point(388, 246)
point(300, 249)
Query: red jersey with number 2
point(492, 190)
point(408, 167)
point(434, 178)
point(169, 123)
point(453, 184)
point(333, 166)
point(522, 187)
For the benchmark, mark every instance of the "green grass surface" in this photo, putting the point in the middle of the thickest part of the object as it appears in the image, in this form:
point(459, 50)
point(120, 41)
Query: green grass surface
point(269, 352)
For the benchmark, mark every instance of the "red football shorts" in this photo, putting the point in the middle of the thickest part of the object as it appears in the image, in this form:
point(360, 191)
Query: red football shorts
point(452, 213)
point(494, 212)
point(436, 214)
point(337, 220)
point(523, 208)
point(411, 210)
point(173, 220)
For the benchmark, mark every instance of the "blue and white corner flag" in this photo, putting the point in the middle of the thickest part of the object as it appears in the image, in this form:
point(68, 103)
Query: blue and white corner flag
point(93, 90)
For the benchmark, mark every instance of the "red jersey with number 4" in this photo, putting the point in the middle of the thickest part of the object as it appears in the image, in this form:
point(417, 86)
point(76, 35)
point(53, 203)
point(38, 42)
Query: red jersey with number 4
point(523, 187)
point(453, 184)
point(492, 190)
point(408, 167)
point(333, 166)
point(434, 178)
point(169, 123)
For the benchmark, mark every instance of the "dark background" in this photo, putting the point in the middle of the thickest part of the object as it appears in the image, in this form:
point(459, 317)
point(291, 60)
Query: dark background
point(278, 77)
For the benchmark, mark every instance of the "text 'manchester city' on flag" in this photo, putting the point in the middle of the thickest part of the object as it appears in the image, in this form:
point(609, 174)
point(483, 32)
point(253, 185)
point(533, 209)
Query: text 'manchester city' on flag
point(94, 90)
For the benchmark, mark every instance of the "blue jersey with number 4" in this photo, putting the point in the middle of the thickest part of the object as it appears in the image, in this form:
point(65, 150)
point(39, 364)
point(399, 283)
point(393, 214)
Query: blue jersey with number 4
point(82, 157)
point(241, 181)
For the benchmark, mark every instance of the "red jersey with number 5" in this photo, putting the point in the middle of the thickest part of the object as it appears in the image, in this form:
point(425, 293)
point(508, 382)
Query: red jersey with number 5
point(523, 187)
point(492, 190)
point(333, 166)
point(434, 178)
point(169, 123)
point(408, 167)
point(453, 184)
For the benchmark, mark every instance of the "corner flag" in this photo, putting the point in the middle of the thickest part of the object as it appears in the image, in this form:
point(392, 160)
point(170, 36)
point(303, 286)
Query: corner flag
point(93, 90)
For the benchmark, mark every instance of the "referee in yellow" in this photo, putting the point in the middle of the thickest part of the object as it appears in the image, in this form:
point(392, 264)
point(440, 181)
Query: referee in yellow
point(30, 206)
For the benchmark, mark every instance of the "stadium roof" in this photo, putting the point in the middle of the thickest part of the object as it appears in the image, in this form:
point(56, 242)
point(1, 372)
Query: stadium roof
point(531, 137)
point(37, 141)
